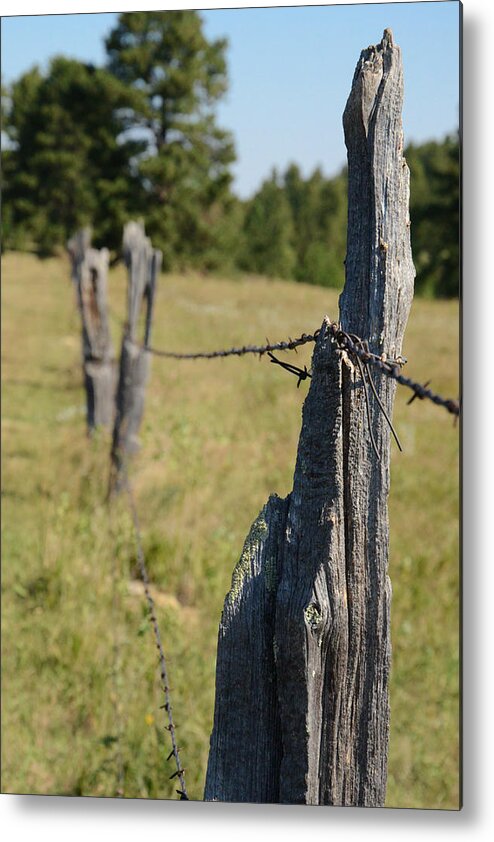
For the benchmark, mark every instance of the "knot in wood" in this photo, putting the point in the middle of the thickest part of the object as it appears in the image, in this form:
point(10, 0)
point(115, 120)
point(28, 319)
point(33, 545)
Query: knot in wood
point(313, 616)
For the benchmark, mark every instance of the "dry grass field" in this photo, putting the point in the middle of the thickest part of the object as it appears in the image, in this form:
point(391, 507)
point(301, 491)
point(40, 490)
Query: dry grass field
point(78, 663)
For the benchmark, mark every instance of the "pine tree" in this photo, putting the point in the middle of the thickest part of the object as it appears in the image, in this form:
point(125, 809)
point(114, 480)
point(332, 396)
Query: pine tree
point(177, 77)
point(318, 208)
point(435, 216)
point(269, 233)
point(65, 165)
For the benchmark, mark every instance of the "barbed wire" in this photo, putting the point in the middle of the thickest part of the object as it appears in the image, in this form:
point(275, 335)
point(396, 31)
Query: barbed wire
point(391, 368)
point(358, 349)
point(259, 350)
point(352, 344)
point(116, 672)
point(346, 341)
point(180, 772)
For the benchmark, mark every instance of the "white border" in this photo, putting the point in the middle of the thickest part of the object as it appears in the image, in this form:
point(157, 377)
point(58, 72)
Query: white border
point(33, 7)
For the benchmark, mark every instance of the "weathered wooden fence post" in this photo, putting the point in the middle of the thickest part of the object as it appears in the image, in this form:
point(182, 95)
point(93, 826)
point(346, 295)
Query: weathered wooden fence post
point(302, 712)
point(143, 264)
point(89, 274)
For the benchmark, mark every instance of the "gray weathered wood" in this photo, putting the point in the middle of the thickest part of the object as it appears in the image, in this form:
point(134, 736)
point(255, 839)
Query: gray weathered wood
point(375, 304)
point(89, 274)
point(143, 265)
point(322, 700)
point(247, 715)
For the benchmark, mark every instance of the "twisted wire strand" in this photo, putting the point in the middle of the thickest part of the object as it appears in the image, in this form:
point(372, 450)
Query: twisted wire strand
point(180, 772)
point(116, 673)
point(389, 367)
point(392, 368)
point(289, 345)
point(364, 358)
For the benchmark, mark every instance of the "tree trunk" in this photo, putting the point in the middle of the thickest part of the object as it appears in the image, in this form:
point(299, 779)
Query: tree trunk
point(302, 710)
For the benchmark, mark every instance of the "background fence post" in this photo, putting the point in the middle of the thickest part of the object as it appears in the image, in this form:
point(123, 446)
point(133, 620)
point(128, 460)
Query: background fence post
point(143, 265)
point(302, 710)
point(89, 273)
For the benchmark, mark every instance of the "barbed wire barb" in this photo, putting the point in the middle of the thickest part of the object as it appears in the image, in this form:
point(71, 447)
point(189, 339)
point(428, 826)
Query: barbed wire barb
point(416, 395)
point(391, 368)
point(301, 373)
point(290, 345)
point(387, 365)
point(365, 365)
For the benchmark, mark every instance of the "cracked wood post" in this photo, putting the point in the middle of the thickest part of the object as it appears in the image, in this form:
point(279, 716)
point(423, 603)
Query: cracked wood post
point(143, 265)
point(89, 274)
point(302, 710)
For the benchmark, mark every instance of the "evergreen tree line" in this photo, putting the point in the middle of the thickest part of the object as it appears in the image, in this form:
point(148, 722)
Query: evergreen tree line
point(97, 146)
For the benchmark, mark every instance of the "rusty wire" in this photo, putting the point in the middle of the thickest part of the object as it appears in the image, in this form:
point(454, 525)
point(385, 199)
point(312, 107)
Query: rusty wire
point(301, 373)
point(346, 341)
point(180, 772)
point(116, 672)
point(391, 368)
point(289, 345)
point(366, 376)
point(364, 358)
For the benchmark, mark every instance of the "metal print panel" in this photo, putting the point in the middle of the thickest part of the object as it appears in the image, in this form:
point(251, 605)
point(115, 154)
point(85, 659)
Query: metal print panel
point(231, 277)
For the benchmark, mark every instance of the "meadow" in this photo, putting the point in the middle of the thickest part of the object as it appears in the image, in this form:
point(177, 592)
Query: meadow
point(81, 694)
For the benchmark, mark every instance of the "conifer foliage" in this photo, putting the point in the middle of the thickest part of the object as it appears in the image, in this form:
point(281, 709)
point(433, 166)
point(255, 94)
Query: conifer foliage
point(64, 166)
point(177, 77)
point(139, 138)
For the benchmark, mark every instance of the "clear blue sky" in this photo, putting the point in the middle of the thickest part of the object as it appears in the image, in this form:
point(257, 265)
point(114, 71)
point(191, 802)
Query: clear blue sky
point(290, 72)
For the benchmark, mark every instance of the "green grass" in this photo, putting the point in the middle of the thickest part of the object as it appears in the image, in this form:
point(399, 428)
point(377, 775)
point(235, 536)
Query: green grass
point(217, 438)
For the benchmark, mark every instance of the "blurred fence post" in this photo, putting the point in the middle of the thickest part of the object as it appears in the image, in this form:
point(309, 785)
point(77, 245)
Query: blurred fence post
point(301, 710)
point(89, 274)
point(143, 265)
